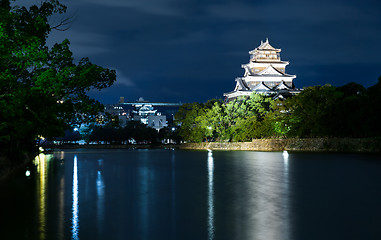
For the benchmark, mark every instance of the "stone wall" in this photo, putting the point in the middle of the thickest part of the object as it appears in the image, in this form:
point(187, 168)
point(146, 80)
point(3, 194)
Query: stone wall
point(294, 144)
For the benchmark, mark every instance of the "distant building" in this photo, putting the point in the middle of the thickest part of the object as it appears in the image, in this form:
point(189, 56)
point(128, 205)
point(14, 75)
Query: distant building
point(157, 121)
point(154, 114)
point(265, 73)
point(164, 108)
point(149, 116)
point(142, 111)
point(115, 110)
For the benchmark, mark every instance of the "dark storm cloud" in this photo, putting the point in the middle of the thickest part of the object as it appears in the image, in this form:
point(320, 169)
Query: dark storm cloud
point(182, 50)
point(156, 7)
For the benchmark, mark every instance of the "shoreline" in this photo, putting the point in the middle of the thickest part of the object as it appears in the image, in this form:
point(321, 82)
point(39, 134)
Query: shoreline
point(287, 144)
point(351, 145)
point(359, 145)
point(110, 146)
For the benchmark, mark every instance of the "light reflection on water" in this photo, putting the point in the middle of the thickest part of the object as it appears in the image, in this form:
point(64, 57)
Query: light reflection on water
point(211, 227)
point(286, 187)
point(61, 209)
point(160, 194)
point(75, 205)
point(262, 197)
point(173, 195)
point(100, 196)
point(144, 179)
point(41, 161)
point(61, 199)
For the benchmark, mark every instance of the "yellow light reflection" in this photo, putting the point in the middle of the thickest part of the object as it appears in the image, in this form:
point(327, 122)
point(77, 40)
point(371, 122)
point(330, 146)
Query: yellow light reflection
point(41, 161)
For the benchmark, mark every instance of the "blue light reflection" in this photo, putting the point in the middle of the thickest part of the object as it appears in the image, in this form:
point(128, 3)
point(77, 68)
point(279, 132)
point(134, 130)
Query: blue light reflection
point(75, 206)
point(100, 195)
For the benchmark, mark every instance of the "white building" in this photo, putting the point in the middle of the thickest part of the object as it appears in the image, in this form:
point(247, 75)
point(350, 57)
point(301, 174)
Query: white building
point(265, 73)
point(148, 115)
point(157, 121)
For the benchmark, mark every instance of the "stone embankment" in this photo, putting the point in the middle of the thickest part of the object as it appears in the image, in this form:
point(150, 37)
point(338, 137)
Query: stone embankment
point(294, 144)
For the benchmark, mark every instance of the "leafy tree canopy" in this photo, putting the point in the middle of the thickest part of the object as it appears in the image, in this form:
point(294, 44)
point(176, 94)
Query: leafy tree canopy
point(318, 111)
point(42, 89)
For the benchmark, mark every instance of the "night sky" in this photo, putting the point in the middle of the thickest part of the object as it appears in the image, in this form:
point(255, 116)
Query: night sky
point(192, 50)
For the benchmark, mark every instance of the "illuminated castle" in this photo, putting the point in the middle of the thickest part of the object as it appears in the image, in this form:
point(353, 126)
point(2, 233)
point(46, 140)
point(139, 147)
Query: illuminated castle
point(265, 73)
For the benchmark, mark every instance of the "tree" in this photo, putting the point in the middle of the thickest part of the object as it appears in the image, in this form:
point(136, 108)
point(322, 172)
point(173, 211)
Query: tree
point(42, 90)
point(214, 123)
point(311, 111)
point(245, 117)
point(374, 108)
point(189, 117)
point(138, 131)
point(242, 119)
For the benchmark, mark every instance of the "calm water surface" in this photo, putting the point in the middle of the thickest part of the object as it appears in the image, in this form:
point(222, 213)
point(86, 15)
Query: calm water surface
point(173, 194)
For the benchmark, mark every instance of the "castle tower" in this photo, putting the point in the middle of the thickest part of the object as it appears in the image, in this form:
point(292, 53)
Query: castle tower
point(265, 73)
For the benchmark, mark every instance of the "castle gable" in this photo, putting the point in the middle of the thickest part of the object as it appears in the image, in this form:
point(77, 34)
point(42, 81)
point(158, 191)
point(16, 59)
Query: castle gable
point(270, 70)
point(261, 86)
point(266, 46)
point(282, 86)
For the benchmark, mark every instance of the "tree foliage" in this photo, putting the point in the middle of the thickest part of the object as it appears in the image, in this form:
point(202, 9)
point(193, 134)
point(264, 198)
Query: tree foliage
point(318, 111)
point(328, 111)
point(42, 89)
point(239, 120)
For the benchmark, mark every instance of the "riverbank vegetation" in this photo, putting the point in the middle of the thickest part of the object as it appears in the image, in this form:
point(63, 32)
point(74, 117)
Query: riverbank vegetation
point(42, 89)
point(319, 111)
point(134, 132)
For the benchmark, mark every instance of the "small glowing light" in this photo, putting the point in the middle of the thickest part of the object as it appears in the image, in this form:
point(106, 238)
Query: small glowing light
point(76, 129)
point(285, 154)
point(41, 149)
point(27, 173)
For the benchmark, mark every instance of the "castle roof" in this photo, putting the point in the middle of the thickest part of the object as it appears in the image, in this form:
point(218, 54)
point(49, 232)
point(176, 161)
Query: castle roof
point(282, 86)
point(261, 86)
point(240, 85)
point(265, 46)
point(271, 71)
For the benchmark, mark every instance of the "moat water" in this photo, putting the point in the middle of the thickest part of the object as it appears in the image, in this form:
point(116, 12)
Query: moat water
point(176, 194)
